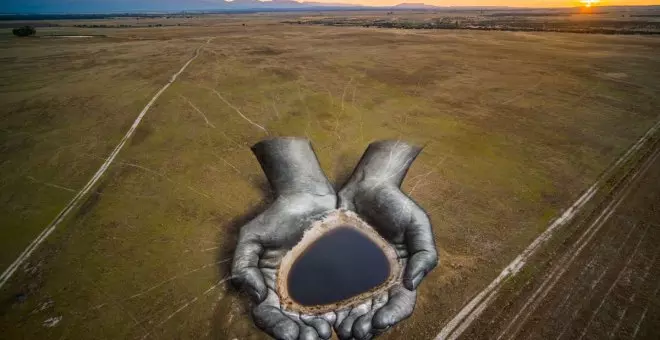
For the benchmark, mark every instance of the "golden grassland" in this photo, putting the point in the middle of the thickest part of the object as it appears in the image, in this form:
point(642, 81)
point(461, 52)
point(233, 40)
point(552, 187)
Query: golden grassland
point(515, 126)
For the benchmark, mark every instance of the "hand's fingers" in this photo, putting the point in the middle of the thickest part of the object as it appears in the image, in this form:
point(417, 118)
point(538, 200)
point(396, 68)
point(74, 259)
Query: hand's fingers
point(420, 244)
point(307, 333)
point(341, 315)
point(244, 270)
point(345, 329)
point(269, 318)
point(400, 306)
point(330, 317)
point(321, 326)
point(362, 326)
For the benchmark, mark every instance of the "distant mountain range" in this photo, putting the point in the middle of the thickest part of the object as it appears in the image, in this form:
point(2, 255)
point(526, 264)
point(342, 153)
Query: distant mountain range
point(415, 5)
point(12, 7)
point(133, 6)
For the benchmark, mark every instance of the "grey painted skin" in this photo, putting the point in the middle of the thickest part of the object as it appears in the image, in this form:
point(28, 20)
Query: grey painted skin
point(302, 195)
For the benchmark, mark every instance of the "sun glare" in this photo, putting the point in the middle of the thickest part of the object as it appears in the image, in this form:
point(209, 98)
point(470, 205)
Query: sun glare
point(588, 3)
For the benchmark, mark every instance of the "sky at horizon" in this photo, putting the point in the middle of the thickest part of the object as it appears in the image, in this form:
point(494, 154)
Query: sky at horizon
point(510, 3)
point(36, 6)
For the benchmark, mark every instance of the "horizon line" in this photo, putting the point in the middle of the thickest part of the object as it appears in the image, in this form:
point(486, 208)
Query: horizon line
point(313, 6)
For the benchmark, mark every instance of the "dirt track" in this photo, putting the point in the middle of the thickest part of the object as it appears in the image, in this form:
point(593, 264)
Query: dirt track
point(80, 195)
point(603, 285)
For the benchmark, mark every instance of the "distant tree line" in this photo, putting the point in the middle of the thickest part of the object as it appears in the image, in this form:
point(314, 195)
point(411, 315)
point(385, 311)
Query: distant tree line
point(444, 24)
point(102, 26)
point(599, 27)
point(24, 31)
point(125, 26)
point(24, 17)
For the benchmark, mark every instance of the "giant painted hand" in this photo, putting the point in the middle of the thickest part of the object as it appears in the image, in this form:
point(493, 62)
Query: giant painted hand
point(373, 192)
point(302, 191)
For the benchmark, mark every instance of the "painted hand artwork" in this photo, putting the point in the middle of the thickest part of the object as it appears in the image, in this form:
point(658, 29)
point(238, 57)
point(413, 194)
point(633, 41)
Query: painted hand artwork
point(316, 260)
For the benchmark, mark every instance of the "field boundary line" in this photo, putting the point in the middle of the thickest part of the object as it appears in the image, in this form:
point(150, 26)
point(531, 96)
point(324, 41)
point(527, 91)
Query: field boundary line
point(460, 322)
point(567, 260)
point(73, 204)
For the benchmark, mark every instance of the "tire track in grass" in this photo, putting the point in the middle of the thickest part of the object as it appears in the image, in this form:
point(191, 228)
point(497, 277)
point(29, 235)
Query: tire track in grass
point(594, 314)
point(591, 287)
point(473, 309)
point(565, 262)
point(646, 309)
point(588, 270)
point(73, 204)
point(632, 297)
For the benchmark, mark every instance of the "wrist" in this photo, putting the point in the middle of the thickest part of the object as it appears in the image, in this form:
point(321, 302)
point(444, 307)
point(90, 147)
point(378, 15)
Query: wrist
point(384, 162)
point(291, 166)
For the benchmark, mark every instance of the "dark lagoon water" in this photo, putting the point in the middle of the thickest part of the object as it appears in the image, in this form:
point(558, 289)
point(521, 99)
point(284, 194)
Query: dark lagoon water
point(341, 264)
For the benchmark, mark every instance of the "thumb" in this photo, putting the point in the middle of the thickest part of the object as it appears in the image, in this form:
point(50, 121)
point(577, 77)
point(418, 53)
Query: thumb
point(420, 264)
point(421, 244)
point(245, 271)
point(252, 281)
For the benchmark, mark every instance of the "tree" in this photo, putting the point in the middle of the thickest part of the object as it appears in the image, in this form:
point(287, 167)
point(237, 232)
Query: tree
point(24, 31)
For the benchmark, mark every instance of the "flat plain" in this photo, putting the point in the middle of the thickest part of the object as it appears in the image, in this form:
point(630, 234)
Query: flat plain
point(516, 125)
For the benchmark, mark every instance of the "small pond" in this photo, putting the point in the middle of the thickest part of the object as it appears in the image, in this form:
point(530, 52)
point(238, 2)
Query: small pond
point(341, 264)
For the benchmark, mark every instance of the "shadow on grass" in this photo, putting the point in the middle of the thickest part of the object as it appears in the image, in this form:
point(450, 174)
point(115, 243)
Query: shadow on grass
point(232, 317)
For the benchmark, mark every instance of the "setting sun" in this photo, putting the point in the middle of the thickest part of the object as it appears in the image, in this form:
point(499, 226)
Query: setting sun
point(588, 3)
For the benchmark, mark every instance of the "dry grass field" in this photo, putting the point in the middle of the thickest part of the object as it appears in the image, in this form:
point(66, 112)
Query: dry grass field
point(515, 126)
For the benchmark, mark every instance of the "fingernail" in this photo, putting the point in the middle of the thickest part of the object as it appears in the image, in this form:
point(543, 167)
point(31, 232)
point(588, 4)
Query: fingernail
point(255, 295)
point(417, 280)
